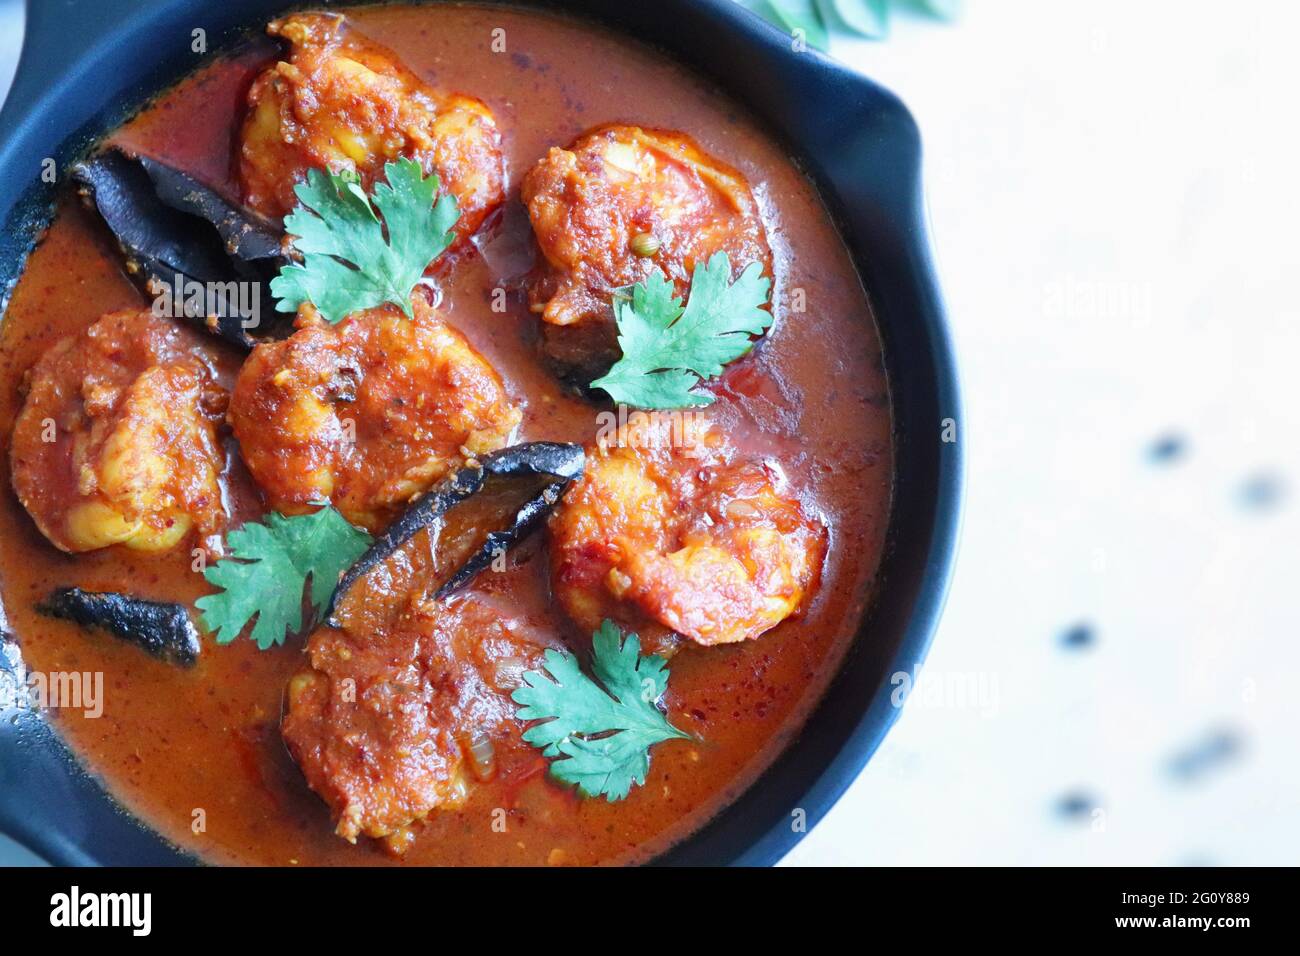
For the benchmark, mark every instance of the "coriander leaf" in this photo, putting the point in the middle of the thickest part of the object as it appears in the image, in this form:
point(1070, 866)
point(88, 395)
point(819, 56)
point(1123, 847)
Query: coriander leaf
point(668, 349)
point(604, 766)
point(602, 736)
point(351, 259)
point(268, 566)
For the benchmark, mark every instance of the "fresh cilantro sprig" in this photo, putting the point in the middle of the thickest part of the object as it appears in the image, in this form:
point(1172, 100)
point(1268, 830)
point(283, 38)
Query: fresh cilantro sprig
point(668, 349)
point(352, 260)
point(598, 736)
point(268, 567)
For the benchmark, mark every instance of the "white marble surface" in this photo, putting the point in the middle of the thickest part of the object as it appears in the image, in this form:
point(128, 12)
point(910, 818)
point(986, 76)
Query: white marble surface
point(1114, 193)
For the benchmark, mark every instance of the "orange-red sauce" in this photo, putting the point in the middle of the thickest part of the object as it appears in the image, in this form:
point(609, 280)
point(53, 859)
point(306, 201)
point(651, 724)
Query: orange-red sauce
point(813, 397)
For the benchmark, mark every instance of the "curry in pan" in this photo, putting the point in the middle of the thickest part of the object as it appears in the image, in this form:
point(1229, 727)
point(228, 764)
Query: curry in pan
point(456, 435)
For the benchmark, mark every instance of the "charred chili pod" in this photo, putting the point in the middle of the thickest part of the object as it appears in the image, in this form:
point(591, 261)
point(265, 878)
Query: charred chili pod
point(161, 629)
point(554, 463)
point(209, 260)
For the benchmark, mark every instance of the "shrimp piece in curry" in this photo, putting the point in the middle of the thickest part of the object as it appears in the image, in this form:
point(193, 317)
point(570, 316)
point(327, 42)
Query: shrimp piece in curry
point(343, 103)
point(368, 413)
point(620, 202)
point(116, 442)
point(389, 725)
point(673, 533)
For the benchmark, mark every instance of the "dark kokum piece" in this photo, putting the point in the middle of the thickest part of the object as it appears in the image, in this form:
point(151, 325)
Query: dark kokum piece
point(181, 236)
point(424, 513)
point(161, 629)
point(248, 237)
point(562, 462)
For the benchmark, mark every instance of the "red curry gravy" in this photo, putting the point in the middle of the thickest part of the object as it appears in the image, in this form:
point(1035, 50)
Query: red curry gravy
point(812, 397)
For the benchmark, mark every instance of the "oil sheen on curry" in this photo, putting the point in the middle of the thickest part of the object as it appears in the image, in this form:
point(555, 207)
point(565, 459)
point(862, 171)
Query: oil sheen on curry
point(457, 435)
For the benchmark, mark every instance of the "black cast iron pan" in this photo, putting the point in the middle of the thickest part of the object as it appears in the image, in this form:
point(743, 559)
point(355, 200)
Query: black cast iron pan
point(89, 64)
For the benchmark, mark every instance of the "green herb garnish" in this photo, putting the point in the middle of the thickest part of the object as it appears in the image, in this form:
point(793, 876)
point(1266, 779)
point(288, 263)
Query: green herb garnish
point(268, 567)
point(352, 260)
point(668, 349)
point(598, 736)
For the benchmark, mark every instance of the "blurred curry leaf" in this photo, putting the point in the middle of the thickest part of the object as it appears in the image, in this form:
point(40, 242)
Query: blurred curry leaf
point(792, 15)
point(945, 9)
point(870, 18)
point(818, 19)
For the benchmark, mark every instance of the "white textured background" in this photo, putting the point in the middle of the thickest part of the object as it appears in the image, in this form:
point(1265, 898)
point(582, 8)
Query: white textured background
point(1114, 192)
